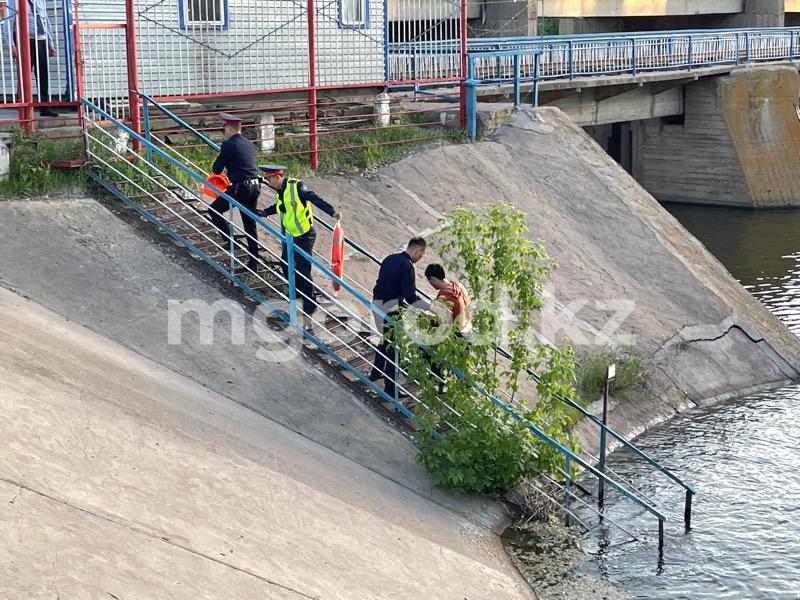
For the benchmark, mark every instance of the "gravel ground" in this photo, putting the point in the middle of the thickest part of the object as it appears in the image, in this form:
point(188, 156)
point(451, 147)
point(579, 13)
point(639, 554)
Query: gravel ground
point(548, 555)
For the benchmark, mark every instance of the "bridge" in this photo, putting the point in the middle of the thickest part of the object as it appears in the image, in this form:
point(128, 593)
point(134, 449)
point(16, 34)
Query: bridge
point(596, 16)
point(687, 113)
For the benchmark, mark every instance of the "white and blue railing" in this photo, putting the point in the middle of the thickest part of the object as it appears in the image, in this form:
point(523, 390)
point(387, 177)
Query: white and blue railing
point(163, 187)
point(585, 55)
point(528, 60)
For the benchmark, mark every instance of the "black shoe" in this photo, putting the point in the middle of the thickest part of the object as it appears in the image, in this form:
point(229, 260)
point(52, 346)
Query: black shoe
point(47, 112)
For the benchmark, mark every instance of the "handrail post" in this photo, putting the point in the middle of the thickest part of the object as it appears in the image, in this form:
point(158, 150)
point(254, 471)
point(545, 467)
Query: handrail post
point(747, 46)
point(536, 79)
point(687, 510)
point(737, 48)
point(567, 489)
point(610, 374)
point(689, 54)
point(516, 79)
point(231, 240)
point(569, 61)
point(472, 99)
point(633, 55)
point(660, 536)
point(146, 124)
point(290, 279)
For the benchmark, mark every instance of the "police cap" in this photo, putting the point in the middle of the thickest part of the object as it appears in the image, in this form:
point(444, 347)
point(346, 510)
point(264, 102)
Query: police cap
point(230, 119)
point(270, 170)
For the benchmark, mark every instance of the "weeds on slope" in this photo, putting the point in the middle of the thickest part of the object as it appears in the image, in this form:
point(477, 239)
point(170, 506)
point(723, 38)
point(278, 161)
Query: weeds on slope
point(30, 172)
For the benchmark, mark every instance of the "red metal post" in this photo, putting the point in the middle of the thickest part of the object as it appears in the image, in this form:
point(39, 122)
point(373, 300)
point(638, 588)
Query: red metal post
point(312, 92)
point(76, 32)
point(25, 76)
point(133, 69)
point(463, 95)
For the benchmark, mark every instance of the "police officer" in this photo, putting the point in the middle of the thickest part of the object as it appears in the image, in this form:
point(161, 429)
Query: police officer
point(293, 203)
point(238, 156)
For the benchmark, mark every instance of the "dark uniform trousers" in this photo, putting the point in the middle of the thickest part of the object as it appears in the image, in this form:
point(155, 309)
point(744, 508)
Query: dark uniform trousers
point(40, 63)
point(385, 363)
point(246, 193)
point(302, 268)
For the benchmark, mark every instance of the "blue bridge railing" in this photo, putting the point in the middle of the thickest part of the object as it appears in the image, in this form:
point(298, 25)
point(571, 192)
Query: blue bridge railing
point(523, 60)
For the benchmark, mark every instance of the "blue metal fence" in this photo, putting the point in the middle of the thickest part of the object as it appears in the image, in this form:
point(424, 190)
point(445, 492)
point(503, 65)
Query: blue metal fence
point(550, 58)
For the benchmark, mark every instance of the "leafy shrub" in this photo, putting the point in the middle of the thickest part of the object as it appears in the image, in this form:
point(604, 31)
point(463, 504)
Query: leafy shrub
point(469, 441)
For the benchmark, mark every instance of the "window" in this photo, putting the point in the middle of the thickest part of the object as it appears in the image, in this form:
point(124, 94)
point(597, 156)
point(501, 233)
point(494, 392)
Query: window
point(353, 13)
point(203, 13)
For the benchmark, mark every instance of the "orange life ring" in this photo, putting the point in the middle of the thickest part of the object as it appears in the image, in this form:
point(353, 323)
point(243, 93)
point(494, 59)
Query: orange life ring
point(337, 255)
point(221, 181)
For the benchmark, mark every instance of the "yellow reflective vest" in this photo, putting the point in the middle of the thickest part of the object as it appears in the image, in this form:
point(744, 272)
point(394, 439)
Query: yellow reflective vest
point(296, 216)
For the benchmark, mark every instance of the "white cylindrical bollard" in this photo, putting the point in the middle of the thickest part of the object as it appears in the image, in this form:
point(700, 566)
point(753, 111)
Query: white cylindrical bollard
point(383, 112)
point(121, 143)
point(266, 132)
point(5, 161)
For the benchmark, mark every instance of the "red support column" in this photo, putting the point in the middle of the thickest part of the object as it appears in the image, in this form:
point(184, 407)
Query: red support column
point(312, 93)
point(25, 76)
point(76, 32)
point(463, 95)
point(133, 70)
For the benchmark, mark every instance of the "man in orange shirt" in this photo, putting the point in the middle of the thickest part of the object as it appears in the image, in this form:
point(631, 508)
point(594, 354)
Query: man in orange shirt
point(452, 293)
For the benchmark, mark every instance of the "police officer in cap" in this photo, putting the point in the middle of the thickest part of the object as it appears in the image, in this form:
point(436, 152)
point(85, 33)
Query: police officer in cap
point(238, 156)
point(293, 203)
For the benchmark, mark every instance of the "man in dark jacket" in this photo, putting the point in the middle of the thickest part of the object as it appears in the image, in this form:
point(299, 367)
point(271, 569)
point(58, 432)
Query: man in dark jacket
point(238, 156)
point(395, 288)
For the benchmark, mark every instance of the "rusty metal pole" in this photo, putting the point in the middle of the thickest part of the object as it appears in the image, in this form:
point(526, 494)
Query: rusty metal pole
point(463, 52)
point(313, 140)
point(133, 70)
point(27, 121)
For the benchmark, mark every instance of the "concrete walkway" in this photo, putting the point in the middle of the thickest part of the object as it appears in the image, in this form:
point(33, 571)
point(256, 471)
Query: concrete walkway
point(120, 478)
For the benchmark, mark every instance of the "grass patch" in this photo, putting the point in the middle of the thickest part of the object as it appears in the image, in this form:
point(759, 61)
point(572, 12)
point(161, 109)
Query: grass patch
point(30, 173)
point(344, 152)
point(631, 375)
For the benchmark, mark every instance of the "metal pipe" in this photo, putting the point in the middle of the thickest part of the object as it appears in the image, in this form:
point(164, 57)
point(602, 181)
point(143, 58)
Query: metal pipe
point(24, 62)
point(133, 69)
point(687, 510)
point(312, 92)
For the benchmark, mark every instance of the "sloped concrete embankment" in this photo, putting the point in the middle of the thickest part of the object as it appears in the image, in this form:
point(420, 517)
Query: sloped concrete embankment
point(620, 256)
point(137, 467)
point(120, 478)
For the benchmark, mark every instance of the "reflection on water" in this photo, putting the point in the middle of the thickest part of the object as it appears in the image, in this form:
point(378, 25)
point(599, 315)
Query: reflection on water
point(745, 543)
point(760, 248)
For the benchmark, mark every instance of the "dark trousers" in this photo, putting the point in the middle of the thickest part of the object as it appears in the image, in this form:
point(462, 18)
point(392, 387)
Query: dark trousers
point(385, 363)
point(247, 195)
point(40, 65)
point(302, 269)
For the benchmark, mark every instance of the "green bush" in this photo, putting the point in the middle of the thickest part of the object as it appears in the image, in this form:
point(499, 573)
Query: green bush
point(469, 443)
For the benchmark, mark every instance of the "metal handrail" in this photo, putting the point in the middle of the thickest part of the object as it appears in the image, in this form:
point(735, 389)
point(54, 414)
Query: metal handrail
point(503, 351)
point(566, 452)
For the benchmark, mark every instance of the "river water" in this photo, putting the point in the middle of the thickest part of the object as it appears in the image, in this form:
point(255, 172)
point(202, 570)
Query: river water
point(743, 455)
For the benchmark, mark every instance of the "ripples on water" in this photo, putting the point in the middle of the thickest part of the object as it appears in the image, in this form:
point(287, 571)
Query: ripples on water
point(743, 456)
point(745, 542)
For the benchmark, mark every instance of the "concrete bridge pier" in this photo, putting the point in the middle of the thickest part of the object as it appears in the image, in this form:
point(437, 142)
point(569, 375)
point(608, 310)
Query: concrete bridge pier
point(737, 144)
